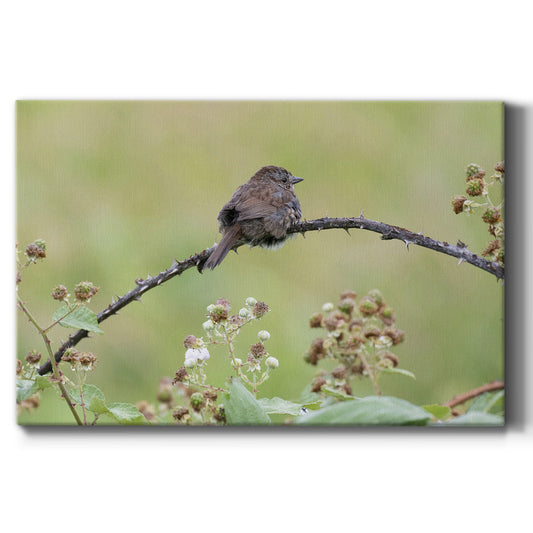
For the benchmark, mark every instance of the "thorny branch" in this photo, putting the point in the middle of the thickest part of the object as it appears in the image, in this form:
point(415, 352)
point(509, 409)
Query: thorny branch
point(478, 391)
point(198, 260)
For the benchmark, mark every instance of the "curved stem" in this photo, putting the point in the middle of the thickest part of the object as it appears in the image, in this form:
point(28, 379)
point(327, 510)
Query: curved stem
point(478, 391)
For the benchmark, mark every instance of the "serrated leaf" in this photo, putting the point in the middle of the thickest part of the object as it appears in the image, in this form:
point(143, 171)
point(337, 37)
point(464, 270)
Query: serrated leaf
point(477, 418)
point(369, 411)
point(93, 398)
point(81, 318)
point(440, 412)
point(490, 402)
point(400, 371)
point(279, 406)
point(241, 408)
point(25, 388)
point(125, 413)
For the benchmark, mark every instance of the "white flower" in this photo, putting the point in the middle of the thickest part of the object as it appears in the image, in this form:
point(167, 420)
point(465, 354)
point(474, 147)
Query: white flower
point(208, 325)
point(327, 307)
point(272, 362)
point(263, 335)
point(251, 301)
point(243, 313)
point(193, 355)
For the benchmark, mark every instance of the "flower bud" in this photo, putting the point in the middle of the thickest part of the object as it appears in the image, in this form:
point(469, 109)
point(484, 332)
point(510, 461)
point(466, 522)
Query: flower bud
point(59, 293)
point(84, 291)
point(180, 413)
point(258, 349)
point(33, 357)
point(272, 362)
point(263, 335)
point(491, 215)
point(348, 294)
point(368, 306)
point(260, 309)
point(346, 305)
point(181, 375)
point(36, 250)
point(197, 401)
point(473, 169)
point(475, 187)
point(328, 307)
point(250, 301)
point(315, 321)
point(219, 414)
point(376, 295)
point(87, 361)
point(224, 303)
point(458, 204)
point(190, 341)
point(243, 313)
point(218, 313)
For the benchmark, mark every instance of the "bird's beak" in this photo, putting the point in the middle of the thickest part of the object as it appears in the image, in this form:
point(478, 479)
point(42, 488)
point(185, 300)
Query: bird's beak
point(296, 180)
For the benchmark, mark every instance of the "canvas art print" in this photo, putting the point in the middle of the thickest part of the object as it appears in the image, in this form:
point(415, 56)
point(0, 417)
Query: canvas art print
point(241, 263)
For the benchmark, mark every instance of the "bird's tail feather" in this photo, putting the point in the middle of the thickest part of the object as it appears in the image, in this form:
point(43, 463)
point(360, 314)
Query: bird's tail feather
point(227, 242)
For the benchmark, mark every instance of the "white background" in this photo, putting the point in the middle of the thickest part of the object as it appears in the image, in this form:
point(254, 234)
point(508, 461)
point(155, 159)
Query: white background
point(349, 480)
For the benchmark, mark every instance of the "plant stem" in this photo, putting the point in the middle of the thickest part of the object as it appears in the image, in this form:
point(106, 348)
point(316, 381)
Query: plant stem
point(462, 398)
point(55, 369)
point(370, 373)
point(59, 319)
point(229, 344)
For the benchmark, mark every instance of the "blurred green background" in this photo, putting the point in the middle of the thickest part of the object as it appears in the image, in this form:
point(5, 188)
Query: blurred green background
point(118, 189)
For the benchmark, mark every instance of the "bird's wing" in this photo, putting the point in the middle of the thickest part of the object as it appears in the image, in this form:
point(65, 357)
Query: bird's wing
point(255, 208)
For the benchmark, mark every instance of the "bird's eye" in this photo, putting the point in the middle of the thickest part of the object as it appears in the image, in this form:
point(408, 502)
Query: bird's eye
point(284, 179)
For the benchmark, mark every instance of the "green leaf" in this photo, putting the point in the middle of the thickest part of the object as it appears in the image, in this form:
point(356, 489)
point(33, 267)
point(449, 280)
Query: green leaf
point(279, 406)
point(369, 411)
point(337, 394)
point(477, 418)
point(400, 371)
point(440, 412)
point(93, 398)
point(81, 318)
point(98, 406)
point(42, 382)
point(490, 402)
point(310, 400)
point(125, 413)
point(25, 388)
point(242, 408)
